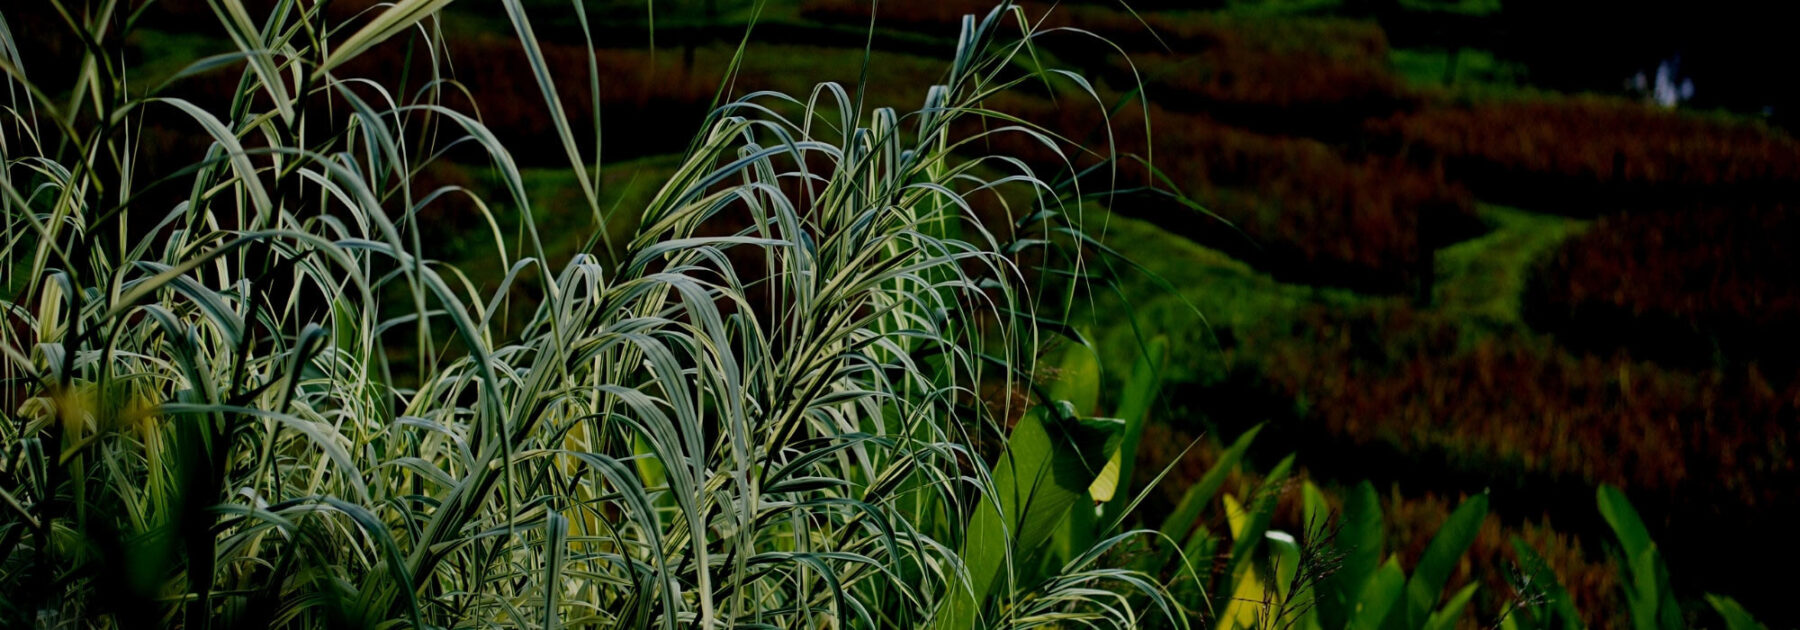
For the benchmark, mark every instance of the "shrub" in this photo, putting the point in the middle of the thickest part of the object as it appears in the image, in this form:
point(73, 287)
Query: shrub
point(1146, 31)
point(1592, 155)
point(1306, 91)
point(1312, 76)
point(1318, 518)
point(1692, 287)
point(1292, 206)
point(1703, 453)
point(1516, 405)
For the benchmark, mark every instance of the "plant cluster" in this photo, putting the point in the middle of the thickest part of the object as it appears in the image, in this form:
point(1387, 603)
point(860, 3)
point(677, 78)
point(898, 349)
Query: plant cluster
point(260, 397)
point(1289, 555)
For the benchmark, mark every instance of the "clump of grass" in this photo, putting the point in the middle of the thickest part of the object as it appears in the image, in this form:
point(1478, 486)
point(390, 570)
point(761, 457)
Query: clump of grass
point(268, 402)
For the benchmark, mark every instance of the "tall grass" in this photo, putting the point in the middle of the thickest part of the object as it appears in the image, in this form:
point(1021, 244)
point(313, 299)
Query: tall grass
point(268, 403)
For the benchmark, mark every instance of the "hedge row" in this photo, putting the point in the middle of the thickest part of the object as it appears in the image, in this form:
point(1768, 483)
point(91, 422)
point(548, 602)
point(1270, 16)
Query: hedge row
point(1295, 206)
point(1516, 407)
point(1592, 155)
point(1694, 287)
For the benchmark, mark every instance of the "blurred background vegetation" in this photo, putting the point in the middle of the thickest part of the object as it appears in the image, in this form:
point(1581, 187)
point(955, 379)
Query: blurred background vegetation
point(1448, 247)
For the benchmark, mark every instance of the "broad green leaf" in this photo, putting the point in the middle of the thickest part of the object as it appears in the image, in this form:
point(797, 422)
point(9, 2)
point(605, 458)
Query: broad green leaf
point(1315, 511)
point(1378, 596)
point(1249, 524)
point(1445, 618)
point(1140, 392)
point(1359, 541)
point(1653, 604)
point(1284, 561)
point(1248, 534)
point(1187, 511)
point(1426, 587)
point(1556, 609)
point(1624, 520)
point(1640, 589)
point(1078, 379)
point(1236, 516)
point(1248, 600)
point(1648, 595)
point(1038, 479)
point(1736, 618)
point(1073, 536)
point(1200, 546)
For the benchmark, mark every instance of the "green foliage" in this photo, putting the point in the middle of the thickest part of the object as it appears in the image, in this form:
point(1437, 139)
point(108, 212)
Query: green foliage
point(1376, 600)
point(1360, 536)
point(1426, 586)
point(1736, 618)
point(1552, 607)
point(1646, 579)
point(1180, 523)
point(1038, 480)
point(1323, 579)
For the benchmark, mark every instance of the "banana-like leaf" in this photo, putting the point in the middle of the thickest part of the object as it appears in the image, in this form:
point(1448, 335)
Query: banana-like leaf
point(1314, 510)
point(1037, 480)
point(1187, 512)
point(1359, 541)
point(1736, 618)
point(1248, 597)
point(1248, 534)
point(1624, 520)
point(1556, 610)
point(1445, 618)
point(1426, 587)
point(1252, 597)
point(1078, 380)
point(1647, 593)
point(1140, 392)
point(1378, 597)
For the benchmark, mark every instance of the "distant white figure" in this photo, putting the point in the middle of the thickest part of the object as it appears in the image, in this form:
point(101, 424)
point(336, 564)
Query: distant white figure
point(1669, 89)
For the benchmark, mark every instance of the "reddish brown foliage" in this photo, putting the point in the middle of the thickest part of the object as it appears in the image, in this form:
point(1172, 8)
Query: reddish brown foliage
point(1393, 394)
point(1592, 155)
point(1304, 90)
point(1691, 286)
point(641, 95)
point(1306, 213)
point(1309, 75)
point(1514, 408)
point(1146, 31)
